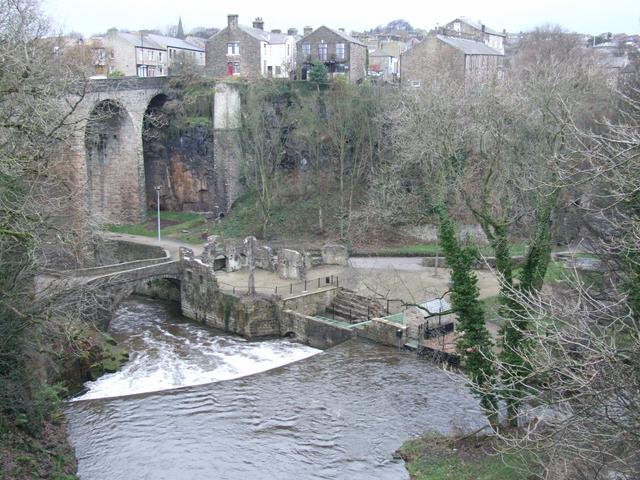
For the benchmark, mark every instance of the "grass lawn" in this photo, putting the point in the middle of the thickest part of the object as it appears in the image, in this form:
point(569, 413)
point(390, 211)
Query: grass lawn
point(434, 457)
point(429, 249)
point(186, 226)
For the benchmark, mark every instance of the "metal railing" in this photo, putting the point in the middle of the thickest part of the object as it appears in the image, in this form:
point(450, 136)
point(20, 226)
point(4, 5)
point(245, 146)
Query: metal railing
point(285, 290)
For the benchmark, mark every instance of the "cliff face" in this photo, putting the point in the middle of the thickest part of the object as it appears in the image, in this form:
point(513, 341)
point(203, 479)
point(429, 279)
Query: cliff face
point(180, 161)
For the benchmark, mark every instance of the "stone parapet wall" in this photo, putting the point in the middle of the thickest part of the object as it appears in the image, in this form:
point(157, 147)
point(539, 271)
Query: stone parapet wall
point(383, 331)
point(311, 303)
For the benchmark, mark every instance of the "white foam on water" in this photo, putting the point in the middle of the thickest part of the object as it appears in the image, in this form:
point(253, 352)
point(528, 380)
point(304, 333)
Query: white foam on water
point(167, 361)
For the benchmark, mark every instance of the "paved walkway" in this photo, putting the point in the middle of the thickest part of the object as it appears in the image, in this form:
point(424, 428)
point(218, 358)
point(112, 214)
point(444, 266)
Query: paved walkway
point(173, 246)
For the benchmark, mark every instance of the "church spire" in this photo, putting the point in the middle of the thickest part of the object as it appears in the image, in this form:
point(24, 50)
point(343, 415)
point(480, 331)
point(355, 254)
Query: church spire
point(180, 32)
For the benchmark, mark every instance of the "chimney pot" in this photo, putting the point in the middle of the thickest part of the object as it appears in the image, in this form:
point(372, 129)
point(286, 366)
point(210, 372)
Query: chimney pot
point(258, 23)
point(232, 20)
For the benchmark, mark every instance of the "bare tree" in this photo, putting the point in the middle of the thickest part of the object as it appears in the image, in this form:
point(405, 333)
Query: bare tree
point(263, 128)
point(580, 400)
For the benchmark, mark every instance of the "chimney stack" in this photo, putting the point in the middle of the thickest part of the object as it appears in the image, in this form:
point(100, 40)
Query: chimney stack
point(341, 29)
point(276, 30)
point(258, 23)
point(232, 20)
point(483, 27)
point(292, 31)
point(307, 30)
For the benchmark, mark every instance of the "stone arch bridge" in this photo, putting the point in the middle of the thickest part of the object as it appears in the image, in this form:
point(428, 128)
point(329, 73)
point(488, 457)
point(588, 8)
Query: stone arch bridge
point(100, 289)
point(105, 159)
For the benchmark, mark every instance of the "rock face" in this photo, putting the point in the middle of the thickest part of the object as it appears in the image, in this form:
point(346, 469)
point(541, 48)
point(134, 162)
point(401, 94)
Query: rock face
point(181, 162)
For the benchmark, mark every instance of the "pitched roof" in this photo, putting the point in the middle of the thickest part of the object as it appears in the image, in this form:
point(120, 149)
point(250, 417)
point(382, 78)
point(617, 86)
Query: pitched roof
point(478, 26)
point(348, 38)
point(269, 37)
point(381, 52)
point(435, 306)
point(140, 40)
point(468, 47)
point(173, 42)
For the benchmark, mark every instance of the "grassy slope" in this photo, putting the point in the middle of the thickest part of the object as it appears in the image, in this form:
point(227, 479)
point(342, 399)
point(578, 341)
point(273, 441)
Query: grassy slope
point(433, 457)
point(176, 223)
point(45, 455)
point(292, 219)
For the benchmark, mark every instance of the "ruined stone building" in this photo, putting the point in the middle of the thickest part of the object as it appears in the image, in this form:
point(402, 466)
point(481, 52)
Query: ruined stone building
point(343, 55)
point(250, 52)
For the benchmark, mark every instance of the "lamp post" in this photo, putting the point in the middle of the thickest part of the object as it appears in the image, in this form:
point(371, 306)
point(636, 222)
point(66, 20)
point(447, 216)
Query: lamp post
point(157, 189)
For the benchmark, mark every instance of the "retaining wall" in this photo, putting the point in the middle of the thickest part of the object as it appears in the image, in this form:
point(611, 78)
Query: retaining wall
point(312, 331)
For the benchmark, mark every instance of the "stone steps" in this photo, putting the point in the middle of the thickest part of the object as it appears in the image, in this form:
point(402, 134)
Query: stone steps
point(354, 308)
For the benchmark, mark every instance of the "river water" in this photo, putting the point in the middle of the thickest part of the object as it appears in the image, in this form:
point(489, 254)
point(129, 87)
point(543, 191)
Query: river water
point(196, 404)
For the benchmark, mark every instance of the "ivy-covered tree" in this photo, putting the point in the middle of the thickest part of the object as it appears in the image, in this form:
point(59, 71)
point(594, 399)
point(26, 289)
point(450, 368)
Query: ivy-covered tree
point(474, 342)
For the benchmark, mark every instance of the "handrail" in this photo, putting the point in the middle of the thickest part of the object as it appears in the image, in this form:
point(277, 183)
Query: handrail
point(288, 289)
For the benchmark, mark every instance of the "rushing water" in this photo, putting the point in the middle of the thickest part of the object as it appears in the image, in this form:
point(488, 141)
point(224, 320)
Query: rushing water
point(337, 414)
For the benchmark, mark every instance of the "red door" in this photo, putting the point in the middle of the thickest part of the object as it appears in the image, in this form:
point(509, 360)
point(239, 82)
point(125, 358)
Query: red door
point(229, 69)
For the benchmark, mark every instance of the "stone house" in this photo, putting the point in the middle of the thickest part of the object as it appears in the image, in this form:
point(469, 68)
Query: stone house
point(475, 30)
point(250, 52)
point(343, 55)
point(460, 58)
point(383, 63)
point(141, 54)
point(178, 50)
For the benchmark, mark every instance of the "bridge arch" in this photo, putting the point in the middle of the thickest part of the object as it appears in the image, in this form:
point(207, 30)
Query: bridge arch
point(155, 126)
point(112, 160)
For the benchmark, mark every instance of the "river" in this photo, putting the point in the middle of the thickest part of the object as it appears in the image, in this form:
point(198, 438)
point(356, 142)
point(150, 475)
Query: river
point(194, 403)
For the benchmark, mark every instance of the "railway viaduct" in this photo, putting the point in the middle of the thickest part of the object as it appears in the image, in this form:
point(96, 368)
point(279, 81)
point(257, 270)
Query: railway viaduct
point(104, 159)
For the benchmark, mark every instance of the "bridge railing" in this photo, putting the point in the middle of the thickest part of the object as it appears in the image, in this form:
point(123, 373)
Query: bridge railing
point(285, 289)
point(109, 269)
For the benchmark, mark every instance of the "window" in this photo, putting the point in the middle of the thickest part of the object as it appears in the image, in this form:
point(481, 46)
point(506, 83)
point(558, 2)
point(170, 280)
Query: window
point(142, 70)
point(278, 70)
point(140, 54)
point(322, 51)
point(264, 67)
point(306, 49)
point(340, 51)
point(416, 83)
point(159, 56)
point(151, 54)
point(233, 48)
point(456, 26)
point(171, 51)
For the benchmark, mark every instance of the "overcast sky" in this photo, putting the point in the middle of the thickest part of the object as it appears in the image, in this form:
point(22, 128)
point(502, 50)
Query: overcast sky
point(584, 16)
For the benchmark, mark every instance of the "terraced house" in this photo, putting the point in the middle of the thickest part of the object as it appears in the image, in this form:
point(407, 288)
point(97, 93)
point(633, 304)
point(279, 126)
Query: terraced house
point(141, 54)
point(250, 52)
point(342, 54)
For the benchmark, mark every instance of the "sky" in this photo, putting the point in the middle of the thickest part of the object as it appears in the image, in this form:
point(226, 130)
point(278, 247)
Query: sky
point(583, 16)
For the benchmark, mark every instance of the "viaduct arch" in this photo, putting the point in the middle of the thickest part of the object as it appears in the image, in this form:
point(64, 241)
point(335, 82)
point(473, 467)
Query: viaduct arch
point(105, 158)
